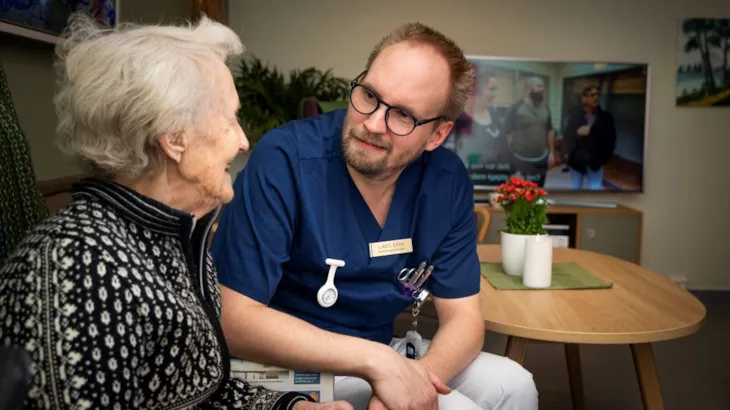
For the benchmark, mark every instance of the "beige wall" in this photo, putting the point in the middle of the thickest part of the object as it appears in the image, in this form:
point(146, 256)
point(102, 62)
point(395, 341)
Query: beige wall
point(684, 217)
point(28, 66)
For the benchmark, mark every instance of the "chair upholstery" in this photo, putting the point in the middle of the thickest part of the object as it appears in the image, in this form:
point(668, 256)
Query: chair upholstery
point(21, 203)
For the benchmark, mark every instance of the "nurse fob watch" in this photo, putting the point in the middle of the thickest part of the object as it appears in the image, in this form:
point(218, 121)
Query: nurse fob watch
point(327, 294)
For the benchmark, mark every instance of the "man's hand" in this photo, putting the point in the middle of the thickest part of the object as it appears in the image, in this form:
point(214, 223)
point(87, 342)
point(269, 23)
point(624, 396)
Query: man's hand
point(583, 130)
point(405, 384)
point(552, 160)
point(335, 405)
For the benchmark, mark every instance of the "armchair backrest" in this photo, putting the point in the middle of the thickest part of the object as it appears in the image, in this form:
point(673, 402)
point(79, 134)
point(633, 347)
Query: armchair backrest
point(483, 219)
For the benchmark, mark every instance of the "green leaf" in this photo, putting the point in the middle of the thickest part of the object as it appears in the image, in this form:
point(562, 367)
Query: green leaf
point(524, 218)
point(270, 98)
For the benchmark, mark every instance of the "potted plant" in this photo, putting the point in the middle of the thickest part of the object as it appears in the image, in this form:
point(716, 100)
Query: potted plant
point(525, 207)
point(269, 98)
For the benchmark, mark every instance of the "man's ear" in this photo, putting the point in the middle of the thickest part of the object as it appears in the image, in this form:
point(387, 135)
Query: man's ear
point(439, 135)
point(174, 145)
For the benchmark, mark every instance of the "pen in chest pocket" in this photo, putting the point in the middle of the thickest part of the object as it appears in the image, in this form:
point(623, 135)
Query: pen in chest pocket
point(424, 277)
point(409, 276)
point(413, 279)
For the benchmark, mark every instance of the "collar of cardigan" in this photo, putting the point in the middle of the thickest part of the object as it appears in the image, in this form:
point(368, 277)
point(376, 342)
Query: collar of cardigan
point(140, 209)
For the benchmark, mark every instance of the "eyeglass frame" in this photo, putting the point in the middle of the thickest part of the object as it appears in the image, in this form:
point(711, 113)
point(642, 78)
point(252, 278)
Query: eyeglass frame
point(416, 122)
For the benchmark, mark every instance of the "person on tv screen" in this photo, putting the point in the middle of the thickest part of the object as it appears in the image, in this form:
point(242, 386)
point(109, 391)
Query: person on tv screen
point(530, 134)
point(590, 136)
point(478, 137)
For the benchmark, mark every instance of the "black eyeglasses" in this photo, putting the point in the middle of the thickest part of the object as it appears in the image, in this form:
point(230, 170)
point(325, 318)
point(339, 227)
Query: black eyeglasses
point(399, 121)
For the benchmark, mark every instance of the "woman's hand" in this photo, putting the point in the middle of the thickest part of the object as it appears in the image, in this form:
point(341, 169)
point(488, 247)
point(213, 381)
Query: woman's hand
point(335, 405)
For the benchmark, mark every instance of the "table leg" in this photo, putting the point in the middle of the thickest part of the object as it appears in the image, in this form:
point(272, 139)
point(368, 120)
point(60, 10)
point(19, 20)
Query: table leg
point(575, 375)
point(651, 392)
point(516, 349)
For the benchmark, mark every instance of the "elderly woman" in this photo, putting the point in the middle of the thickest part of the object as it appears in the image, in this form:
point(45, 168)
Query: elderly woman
point(114, 297)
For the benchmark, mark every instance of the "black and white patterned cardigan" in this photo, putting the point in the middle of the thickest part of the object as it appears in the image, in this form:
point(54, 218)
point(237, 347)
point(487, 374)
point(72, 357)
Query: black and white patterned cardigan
point(116, 299)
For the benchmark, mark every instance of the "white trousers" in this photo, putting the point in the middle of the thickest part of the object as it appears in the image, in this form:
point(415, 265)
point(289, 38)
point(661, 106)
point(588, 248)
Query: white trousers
point(489, 382)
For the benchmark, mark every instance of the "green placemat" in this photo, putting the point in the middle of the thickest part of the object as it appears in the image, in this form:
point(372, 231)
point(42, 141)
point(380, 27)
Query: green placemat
point(566, 275)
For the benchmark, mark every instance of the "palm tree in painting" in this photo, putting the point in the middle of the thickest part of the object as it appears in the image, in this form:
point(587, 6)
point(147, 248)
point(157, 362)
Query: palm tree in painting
point(698, 32)
point(720, 38)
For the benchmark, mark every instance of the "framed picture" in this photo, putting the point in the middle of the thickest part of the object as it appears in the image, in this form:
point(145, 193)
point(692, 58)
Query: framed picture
point(566, 125)
point(703, 62)
point(45, 20)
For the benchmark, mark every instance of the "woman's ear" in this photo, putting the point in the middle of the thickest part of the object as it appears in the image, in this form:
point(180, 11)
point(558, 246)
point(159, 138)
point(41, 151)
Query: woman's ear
point(174, 145)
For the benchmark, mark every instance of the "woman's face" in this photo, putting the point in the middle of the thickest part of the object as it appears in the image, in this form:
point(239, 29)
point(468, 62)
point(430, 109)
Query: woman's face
point(208, 157)
point(490, 91)
point(486, 95)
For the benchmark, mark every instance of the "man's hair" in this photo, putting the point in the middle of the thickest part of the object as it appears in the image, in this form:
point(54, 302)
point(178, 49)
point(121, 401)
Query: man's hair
point(462, 71)
point(121, 89)
point(588, 89)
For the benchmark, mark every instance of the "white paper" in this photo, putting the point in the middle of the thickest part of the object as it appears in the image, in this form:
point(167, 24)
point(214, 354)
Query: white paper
point(320, 386)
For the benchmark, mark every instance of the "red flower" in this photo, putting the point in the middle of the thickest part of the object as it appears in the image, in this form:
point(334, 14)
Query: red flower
point(517, 193)
point(515, 189)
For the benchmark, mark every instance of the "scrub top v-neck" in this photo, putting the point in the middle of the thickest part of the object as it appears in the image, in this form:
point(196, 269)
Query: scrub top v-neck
point(295, 205)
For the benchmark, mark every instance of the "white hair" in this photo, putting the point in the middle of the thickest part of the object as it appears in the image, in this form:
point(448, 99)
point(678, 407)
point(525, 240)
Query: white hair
point(122, 88)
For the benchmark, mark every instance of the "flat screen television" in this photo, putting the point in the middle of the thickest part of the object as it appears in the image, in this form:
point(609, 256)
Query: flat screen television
point(566, 125)
point(45, 20)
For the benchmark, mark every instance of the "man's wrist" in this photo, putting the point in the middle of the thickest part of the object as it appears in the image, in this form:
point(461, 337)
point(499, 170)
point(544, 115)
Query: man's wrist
point(373, 365)
point(427, 362)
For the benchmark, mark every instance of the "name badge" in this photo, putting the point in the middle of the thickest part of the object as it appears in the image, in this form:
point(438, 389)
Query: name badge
point(394, 247)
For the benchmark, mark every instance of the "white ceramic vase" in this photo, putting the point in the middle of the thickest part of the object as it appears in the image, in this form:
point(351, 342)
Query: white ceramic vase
point(537, 271)
point(513, 253)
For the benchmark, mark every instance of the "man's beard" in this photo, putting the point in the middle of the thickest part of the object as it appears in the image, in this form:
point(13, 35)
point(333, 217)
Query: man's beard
point(358, 161)
point(537, 97)
point(372, 168)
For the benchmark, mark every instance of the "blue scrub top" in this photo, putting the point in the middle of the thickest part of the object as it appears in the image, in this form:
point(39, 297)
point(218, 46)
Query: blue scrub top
point(295, 205)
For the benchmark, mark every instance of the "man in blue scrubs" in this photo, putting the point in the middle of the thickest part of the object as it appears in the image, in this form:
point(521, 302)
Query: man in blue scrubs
point(369, 186)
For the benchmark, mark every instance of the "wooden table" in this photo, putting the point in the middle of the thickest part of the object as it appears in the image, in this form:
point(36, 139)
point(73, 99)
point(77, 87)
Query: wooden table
point(641, 308)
